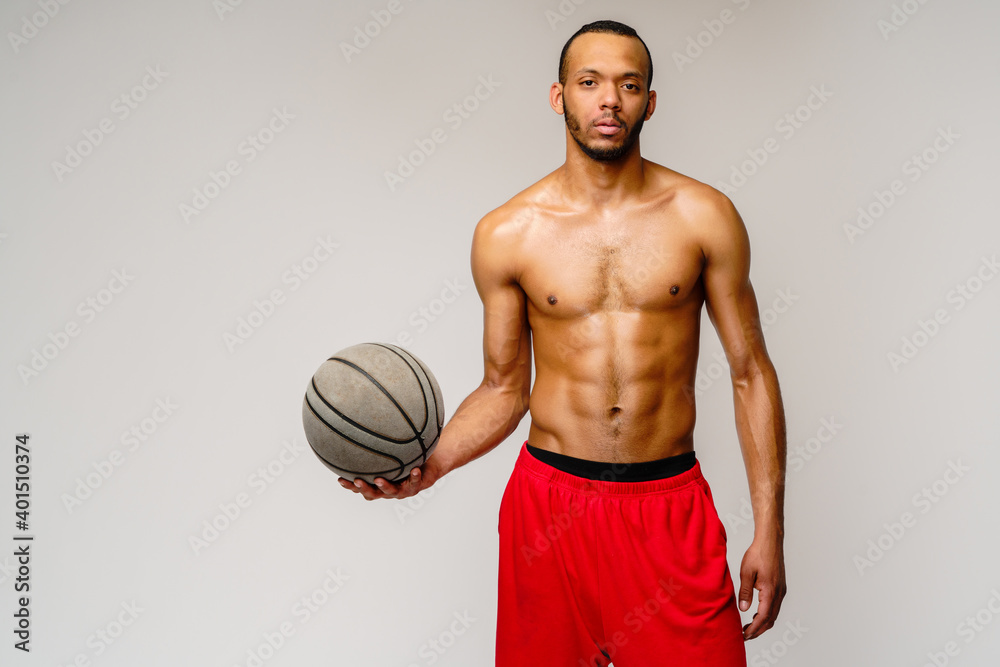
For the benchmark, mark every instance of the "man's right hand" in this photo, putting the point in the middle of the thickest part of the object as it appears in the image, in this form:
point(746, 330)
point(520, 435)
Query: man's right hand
point(490, 413)
point(419, 479)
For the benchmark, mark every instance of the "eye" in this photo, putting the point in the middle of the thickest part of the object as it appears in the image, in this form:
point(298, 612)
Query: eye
point(634, 87)
point(586, 82)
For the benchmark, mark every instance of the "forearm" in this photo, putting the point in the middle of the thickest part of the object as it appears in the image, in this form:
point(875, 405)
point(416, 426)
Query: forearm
point(483, 420)
point(760, 425)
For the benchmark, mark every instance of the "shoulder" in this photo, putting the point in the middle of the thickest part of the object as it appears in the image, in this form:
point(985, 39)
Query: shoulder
point(513, 216)
point(694, 201)
point(707, 214)
point(500, 236)
point(509, 225)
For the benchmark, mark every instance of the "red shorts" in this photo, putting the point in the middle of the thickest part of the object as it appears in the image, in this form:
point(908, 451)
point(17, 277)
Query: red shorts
point(598, 571)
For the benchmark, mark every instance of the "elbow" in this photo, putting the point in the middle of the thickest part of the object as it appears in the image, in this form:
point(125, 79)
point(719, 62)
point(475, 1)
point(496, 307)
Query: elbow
point(747, 369)
point(513, 392)
point(511, 383)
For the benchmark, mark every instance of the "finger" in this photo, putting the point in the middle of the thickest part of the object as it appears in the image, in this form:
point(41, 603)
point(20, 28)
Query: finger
point(367, 490)
point(747, 581)
point(348, 484)
point(408, 487)
point(389, 489)
point(411, 485)
point(764, 618)
point(779, 597)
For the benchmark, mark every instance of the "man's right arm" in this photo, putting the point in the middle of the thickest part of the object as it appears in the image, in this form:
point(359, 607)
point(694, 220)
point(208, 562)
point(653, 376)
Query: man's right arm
point(491, 412)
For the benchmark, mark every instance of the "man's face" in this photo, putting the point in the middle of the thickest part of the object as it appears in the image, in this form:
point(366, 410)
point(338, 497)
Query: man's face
point(605, 98)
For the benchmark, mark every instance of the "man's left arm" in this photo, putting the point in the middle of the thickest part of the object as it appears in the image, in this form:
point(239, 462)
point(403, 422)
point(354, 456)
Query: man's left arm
point(760, 420)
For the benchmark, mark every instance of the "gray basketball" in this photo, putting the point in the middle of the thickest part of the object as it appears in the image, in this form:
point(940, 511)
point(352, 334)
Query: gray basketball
point(373, 410)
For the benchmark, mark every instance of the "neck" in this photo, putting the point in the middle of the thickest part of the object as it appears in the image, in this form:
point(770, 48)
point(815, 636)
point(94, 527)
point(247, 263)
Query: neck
point(603, 183)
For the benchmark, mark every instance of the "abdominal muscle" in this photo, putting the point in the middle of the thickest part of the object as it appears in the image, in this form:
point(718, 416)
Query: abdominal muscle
point(615, 386)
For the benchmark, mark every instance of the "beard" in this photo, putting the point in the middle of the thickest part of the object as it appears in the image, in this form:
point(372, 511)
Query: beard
point(604, 153)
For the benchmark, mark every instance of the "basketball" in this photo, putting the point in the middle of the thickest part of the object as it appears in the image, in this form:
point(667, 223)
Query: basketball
point(373, 410)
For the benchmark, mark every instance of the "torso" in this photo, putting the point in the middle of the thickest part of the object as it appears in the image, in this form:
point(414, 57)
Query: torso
point(614, 304)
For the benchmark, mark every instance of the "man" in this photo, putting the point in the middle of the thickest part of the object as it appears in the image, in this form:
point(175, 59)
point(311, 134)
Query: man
point(611, 546)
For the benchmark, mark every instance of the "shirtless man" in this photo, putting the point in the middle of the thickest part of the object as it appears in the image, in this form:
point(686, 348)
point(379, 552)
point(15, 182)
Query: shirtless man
point(611, 546)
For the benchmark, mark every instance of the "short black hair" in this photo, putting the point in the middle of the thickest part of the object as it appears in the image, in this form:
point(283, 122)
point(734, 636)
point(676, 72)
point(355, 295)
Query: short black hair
point(606, 27)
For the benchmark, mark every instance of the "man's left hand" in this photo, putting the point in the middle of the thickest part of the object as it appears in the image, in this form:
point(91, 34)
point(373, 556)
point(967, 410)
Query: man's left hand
point(763, 568)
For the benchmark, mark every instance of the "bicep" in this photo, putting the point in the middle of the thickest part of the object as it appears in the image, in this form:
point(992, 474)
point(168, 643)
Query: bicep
point(729, 296)
point(506, 334)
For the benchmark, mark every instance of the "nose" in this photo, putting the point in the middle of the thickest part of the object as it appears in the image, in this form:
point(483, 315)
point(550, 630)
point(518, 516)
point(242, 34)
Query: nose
point(610, 98)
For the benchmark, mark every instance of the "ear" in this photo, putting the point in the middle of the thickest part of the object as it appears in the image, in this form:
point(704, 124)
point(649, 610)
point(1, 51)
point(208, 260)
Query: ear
point(651, 104)
point(556, 98)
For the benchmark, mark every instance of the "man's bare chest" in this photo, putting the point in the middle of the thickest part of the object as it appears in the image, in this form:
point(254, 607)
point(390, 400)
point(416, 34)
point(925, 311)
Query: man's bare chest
point(639, 265)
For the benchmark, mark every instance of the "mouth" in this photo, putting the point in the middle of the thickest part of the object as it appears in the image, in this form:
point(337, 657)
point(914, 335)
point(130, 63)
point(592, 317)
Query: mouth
point(607, 127)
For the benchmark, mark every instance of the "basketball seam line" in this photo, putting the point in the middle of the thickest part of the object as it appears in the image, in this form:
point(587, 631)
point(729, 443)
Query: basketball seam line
point(426, 372)
point(399, 353)
point(343, 435)
point(422, 375)
point(360, 427)
point(362, 472)
point(385, 391)
point(427, 411)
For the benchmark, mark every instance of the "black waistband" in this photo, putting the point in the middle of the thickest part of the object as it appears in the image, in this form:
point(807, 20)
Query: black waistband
point(639, 471)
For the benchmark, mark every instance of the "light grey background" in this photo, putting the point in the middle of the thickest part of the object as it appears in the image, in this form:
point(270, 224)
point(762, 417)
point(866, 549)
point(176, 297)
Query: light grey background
point(835, 309)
